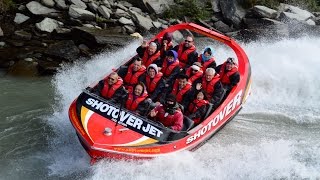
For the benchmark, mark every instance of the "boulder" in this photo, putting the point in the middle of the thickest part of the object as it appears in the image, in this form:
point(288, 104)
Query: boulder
point(126, 21)
point(126, 4)
point(138, 10)
point(232, 12)
point(144, 23)
point(61, 4)
point(157, 6)
point(20, 18)
point(38, 9)
point(82, 14)
point(265, 12)
point(93, 37)
point(118, 5)
point(121, 13)
point(221, 26)
point(291, 17)
point(65, 50)
point(48, 3)
point(104, 11)
point(48, 25)
point(93, 6)
point(303, 14)
point(79, 4)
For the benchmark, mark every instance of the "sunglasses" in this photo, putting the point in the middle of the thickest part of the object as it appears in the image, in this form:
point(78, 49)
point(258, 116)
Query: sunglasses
point(187, 41)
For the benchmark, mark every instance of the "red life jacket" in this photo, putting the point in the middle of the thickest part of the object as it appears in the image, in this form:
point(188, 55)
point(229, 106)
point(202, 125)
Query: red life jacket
point(225, 75)
point(151, 84)
point(132, 104)
point(175, 121)
point(147, 59)
point(167, 70)
point(183, 55)
point(209, 86)
point(108, 91)
point(205, 64)
point(133, 78)
point(179, 93)
point(196, 104)
point(194, 76)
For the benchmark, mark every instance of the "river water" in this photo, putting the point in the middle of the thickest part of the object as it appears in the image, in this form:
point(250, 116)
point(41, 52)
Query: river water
point(275, 136)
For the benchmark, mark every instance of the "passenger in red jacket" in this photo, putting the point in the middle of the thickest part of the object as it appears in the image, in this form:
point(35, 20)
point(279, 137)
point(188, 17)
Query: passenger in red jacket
point(154, 82)
point(206, 59)
point(194, 72)
point(187, 52)
point(111, 88)
point(149, 54)
point(169, 114)
point(137, 100)
point(132, 74)
point(170, 67)
point(198, 107)
point(229, 74)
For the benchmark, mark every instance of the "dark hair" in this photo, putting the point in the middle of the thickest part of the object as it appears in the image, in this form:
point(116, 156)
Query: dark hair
point(205, 95)
point(167, 36)
point(208, 50)
point(182, 76)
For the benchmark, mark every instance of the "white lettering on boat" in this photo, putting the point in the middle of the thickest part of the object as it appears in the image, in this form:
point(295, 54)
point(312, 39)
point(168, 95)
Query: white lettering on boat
point(235, 102)
point(126, 119)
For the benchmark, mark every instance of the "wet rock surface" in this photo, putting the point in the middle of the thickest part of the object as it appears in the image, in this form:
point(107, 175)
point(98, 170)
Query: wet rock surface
point(39, 35)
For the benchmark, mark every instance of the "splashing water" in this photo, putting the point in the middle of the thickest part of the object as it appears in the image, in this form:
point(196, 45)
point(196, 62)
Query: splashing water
point(275, 136)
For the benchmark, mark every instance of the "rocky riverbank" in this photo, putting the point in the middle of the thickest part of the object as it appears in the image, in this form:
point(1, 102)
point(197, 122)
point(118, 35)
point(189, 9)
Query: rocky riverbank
point(39, 35)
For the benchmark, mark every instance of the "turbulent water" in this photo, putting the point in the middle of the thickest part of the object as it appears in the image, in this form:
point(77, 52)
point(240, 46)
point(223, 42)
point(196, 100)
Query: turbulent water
point(275, 136)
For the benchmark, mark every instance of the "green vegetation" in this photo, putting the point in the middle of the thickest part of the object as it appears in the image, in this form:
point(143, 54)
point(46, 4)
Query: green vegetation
point(194, 9)
point(6, 5)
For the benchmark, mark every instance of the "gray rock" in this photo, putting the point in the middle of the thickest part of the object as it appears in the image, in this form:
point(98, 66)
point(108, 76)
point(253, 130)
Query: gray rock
point(20, 18)
point(157, 6)
point(232, 12)
point(122, 7)
point(143, 22)
point(221, 26)
point(22, 8)
point(79, 13)
point(121, 13)
point(61, 30)
point(93, 6)
point(107, 3)
point(48, 3)
point(38, 9)
point(61, 4)
point(79, 4)
point(126, 21)
point(21, 34)
point(2, 44)
point(88, 25)
point(265, 12)
point(97, 37)
point(1, 32)
point(48, 25)
point(64, 49)
point(288, 17)
point(215, 6)
point(303, 14)
point(157, 24)
point(125, 3)
point(130, 29)
point(104, 11)
point(317, 20)
point(138, 10)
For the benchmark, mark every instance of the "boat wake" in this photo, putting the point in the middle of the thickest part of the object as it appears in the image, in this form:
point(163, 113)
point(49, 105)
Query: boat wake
point(274, 136)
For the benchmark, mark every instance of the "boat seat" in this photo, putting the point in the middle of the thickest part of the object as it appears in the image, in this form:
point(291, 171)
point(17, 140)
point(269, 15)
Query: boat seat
point(187, 123)
point(209, 110)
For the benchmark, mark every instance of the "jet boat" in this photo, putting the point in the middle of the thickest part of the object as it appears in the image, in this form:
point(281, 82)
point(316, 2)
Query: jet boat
point(108, 130)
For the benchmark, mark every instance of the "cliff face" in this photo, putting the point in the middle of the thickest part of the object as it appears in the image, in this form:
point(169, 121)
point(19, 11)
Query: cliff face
point(38, 35)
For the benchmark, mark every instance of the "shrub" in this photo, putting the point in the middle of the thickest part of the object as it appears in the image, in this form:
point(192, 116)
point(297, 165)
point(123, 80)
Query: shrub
point(6, 5)
point(190, 8)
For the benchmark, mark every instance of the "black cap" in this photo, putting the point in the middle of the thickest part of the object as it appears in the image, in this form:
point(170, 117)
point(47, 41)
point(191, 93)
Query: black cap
point(231, 60)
